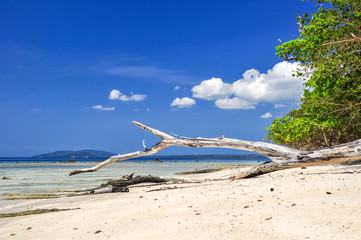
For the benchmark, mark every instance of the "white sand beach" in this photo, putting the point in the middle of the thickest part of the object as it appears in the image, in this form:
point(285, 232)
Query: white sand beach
point(320, 202)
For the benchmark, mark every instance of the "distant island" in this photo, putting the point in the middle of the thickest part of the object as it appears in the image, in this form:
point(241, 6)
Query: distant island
point(76, 154)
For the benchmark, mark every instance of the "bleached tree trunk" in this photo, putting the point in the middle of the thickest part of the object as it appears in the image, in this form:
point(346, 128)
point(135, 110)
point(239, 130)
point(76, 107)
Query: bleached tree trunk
point(281, 157)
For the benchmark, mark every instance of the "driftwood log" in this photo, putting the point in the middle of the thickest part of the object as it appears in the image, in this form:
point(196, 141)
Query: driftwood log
point(281, 157)
point(118, 185)
point(121, 184)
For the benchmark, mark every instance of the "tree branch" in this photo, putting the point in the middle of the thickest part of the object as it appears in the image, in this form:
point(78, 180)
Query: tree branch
point(355, 38)
point(286, 56)
point(281, 156)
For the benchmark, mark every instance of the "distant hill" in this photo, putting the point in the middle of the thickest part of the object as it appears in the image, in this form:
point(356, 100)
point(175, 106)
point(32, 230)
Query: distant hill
point(76, 154)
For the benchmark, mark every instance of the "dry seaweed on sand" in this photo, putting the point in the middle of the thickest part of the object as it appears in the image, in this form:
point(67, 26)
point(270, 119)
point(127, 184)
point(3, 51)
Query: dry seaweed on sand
point(6, 178)
point(208, 170)
point(22, 196)
point(36, 211)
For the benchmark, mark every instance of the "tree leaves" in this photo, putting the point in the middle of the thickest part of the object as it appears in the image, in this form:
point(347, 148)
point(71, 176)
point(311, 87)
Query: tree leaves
point(329, 112)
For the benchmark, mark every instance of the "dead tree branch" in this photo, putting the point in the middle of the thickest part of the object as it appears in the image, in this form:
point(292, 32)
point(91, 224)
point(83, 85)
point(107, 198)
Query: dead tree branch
point(281, 157)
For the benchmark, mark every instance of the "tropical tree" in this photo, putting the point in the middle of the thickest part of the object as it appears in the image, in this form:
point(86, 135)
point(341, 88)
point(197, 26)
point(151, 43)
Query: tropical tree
point(328, 49)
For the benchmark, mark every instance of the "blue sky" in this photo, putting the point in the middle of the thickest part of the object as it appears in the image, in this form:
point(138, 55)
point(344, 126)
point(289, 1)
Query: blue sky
point(75, 74)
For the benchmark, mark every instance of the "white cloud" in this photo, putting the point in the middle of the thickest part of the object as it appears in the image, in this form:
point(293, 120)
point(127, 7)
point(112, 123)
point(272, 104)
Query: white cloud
point(267, 115)
point(100, 107)
point(212, 89)
point(183, 102)
point(234, 103)
point(176, 88)
point(116, 95)
point(278, 105)
point(275, 86)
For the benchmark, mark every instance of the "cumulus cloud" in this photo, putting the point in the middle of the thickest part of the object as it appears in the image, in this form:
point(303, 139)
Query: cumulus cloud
point(100, 107)
point(117, 95)
point(275, 86)
point(212, 89)
point(183, 102)
point(266, 115)
point(176, 88)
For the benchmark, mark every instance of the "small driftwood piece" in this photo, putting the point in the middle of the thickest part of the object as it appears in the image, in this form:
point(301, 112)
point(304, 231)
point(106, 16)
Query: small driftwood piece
point(121, 184)
point(281, 157)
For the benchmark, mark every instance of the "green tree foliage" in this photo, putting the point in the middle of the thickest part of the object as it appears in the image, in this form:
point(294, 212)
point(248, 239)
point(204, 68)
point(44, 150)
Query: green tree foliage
point(329, 112)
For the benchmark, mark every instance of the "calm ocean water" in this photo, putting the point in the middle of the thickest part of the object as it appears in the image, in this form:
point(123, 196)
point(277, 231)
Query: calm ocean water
point(49, 175)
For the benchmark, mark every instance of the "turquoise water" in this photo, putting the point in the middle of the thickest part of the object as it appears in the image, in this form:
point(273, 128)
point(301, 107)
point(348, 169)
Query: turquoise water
point(52, 177)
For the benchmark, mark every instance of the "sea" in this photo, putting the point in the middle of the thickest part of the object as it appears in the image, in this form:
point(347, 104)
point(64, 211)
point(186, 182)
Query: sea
point(28, 175)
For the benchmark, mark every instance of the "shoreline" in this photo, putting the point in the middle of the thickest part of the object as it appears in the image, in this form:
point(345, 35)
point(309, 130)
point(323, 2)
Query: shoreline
point(320, 202)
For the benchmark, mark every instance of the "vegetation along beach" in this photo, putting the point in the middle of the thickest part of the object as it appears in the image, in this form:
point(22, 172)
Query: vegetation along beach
point(210, 120)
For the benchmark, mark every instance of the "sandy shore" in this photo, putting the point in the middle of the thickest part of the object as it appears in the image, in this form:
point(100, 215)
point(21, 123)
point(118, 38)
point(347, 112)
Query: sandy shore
point(314, 203)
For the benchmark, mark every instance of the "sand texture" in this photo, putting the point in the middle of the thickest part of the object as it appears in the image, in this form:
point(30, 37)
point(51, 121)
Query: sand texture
point(315, 203)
